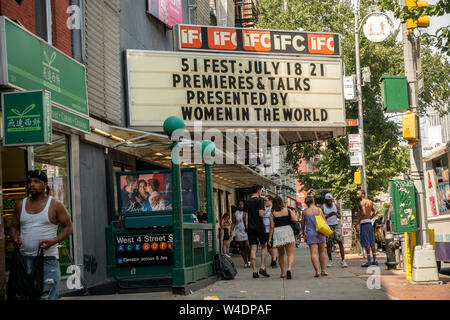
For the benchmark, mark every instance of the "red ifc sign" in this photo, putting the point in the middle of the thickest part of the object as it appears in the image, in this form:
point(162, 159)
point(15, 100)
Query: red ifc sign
point(191, 37)
point(321, 43)
point(256, 40)
point(219, 38)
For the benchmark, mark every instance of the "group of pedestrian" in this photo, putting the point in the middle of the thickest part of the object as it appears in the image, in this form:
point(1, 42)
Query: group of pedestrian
point(267, 222)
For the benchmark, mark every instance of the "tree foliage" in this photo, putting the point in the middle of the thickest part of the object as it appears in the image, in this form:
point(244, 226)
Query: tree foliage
point(385, 157)
point(442, 36)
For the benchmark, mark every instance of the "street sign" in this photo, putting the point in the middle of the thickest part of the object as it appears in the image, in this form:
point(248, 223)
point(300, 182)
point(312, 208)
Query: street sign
point(351, 122)
point(354, 138)
point(377, 28)
point(355, 158)
point(354, 147)
point(144, 249)
point(27, 118)
point(349, 88)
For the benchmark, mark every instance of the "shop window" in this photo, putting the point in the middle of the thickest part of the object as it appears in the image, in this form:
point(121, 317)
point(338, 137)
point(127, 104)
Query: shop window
point(54, 160)
point(14, 189)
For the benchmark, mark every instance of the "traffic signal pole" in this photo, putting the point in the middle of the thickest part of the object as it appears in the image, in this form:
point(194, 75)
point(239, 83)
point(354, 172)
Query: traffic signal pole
point(424, 260)
point(360, 102)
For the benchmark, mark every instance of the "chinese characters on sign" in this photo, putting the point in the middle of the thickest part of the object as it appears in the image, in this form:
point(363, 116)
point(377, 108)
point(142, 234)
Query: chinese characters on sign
point(26, 118)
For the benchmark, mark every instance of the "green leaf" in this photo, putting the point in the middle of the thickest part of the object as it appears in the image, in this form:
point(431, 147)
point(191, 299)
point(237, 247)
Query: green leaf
point(28, 109)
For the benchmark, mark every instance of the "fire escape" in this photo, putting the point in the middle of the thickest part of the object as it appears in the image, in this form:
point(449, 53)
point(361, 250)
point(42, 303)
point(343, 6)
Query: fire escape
point(247, 13)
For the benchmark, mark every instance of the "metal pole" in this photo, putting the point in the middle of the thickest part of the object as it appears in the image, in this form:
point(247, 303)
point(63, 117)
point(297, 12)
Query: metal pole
point(210, 204)
point(424, 267)
point(178, 232)
point(360, 106)
point(409, 48)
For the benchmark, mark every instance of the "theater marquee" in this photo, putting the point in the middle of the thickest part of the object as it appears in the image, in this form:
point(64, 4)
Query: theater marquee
point(235, 90)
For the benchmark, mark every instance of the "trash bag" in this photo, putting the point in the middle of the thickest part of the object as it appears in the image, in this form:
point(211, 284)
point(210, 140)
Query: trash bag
point(224, 267)
point(24, 286)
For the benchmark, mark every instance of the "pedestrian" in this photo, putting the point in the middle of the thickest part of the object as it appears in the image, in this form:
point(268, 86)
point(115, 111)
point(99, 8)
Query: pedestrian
point(314, 239)
point(225, 227)
point(282, 234)
point(239, 223)
point(266, 219)
point(256, 230)
point(366, 207)
point(35, 225)
point(332, 214)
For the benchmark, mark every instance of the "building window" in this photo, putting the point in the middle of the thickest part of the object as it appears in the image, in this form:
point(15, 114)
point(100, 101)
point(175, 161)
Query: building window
point(192, 7)
point(43, 14)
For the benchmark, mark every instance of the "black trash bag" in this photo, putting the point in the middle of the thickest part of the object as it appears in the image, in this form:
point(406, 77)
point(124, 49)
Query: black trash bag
point(224, 267)
point(24, 286)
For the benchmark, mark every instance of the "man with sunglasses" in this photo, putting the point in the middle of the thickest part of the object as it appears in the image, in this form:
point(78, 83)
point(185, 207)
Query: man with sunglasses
point(35, 226)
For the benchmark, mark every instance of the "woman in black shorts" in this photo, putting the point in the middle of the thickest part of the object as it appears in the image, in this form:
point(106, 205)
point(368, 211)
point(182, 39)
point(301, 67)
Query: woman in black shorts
point(225, 226)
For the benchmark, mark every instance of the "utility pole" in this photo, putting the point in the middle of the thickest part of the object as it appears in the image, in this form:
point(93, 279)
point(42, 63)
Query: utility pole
point(424, 260)
point(360, 106)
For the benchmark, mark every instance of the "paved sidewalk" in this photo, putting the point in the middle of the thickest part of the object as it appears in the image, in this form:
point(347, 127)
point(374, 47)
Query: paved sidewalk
point(341, 284)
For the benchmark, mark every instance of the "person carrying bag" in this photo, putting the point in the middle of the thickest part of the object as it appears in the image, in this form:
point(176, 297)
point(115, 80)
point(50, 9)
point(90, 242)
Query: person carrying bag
point(322, 225)
point(26, 283)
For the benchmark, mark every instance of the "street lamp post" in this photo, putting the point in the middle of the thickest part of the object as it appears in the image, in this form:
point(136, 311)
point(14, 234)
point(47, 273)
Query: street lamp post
point(360, 106)
point(207, 149)
point(170, 126)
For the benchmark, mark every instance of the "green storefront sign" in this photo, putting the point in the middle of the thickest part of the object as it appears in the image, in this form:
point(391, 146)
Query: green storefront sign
point(404, 206)
point(27, 118)
point(29, 63)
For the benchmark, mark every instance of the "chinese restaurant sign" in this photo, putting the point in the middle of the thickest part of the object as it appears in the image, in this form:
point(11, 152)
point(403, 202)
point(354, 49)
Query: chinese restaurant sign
point(240, 40)
point(27, 118)
point(29, 63)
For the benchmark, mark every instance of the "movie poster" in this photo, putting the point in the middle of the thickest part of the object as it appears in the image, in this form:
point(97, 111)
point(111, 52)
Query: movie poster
point(152, 192)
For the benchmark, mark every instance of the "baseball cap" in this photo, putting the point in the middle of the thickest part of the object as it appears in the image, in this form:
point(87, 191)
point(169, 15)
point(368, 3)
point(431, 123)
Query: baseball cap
point(328, 196)
point(37, 174)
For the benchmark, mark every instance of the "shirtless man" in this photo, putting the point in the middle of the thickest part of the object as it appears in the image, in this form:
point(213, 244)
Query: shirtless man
point(367, 235)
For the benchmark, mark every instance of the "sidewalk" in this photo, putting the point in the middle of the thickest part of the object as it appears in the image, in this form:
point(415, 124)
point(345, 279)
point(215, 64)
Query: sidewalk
point(341, 284)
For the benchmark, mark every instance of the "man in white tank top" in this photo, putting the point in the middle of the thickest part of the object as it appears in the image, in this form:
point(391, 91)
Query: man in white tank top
point(332, 214)
point(35, 226)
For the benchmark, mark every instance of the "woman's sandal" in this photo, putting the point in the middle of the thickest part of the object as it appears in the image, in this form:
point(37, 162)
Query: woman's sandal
point(283, 276)
point(317, 275)
point(324, 274)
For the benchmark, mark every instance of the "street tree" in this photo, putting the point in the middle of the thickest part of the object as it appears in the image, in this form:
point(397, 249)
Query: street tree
point(386, 157)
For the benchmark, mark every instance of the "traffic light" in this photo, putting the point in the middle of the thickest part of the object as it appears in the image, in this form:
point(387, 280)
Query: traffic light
point(422, 21)
point(357, 177)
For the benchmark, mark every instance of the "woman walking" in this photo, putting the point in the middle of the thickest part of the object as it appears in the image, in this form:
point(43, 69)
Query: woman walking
point(282, 235)
point(314, 239)
point(241, 237)
point(225, 226)
point(266, 220)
